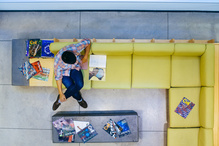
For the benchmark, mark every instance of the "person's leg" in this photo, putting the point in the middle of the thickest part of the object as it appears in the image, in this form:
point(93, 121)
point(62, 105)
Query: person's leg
point(74, 85)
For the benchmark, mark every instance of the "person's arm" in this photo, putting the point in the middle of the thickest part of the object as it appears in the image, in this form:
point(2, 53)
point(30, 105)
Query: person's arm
point(61, 94)
point(87, 50)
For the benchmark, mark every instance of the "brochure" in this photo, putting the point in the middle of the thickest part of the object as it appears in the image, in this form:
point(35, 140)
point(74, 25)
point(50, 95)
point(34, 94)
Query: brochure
point(27, 70)
point(87, 133)
point(44, 76)
point(79, 125)
point(184, 107)
point(125, 127)
point(97, 67)
point(112, 128)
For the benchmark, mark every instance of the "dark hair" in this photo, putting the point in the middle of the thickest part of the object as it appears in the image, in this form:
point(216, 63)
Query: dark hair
point(68, 57)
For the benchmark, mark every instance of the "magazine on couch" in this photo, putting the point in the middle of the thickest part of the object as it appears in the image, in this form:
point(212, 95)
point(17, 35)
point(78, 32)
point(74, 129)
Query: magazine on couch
point(97, 67)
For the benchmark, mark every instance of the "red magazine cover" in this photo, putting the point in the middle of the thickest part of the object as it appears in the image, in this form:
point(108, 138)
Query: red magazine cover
point(37, 66)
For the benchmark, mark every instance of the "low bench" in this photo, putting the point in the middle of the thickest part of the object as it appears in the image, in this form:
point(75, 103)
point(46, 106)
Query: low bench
point(98, 119)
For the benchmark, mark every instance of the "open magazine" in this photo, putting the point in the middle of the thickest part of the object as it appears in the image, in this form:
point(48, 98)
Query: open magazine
point(97, 67)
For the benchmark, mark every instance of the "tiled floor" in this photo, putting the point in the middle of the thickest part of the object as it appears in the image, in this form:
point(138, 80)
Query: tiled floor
point(25, 112)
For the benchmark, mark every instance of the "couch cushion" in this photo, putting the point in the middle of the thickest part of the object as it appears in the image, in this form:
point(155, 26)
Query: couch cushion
point(152, 49)
point(175, 97)
point(182, 137)
point(112, 48)
point(207, 66)
point(185, 71)
point(206, 112)
point(151, 72)
point(118, 73)
point(55, 47)
point(189, 49)
point(205, 137)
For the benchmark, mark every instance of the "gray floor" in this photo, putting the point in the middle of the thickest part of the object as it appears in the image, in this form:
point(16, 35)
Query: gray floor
point(25, 112)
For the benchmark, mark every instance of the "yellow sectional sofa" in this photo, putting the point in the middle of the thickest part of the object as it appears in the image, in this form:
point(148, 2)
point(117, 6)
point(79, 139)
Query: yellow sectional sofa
point(186, 69)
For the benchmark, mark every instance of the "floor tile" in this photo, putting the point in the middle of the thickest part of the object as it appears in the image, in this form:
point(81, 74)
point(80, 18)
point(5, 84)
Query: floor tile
point(150, 104)
point(189, 25)
point(44, 25)
point(146, 139)
point(124, 25)
point(5, 62)
point(27, 137)
point(30, 107)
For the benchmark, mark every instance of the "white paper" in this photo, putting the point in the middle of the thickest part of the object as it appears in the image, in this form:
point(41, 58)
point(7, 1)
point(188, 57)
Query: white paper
point(97, 61)
point(79, 125)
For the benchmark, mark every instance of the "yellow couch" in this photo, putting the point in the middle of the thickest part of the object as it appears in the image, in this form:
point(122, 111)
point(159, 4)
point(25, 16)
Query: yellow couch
point(187, 70)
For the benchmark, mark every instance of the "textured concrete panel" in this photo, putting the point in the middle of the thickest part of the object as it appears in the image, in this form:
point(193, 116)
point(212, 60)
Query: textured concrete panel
point(30, 107)
point(28, 137)
point(124, 25)
point(188, 25)
point(44, 25)
point(150, 104)
point(5, 62)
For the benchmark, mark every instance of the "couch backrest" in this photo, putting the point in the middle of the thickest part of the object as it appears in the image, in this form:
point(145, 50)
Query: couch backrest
point(208, 65)
point(206, 107)
point(205, 137)
point(55, 47)
point(153, 49)
point(112, 48)
point(189, 49)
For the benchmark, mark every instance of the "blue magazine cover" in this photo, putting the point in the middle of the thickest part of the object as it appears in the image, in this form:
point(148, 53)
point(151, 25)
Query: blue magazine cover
point(87, 133)
point(184, 107)
point(45, 48)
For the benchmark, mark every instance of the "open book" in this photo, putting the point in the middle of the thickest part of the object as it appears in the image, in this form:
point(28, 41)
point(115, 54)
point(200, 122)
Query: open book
point(97, 67)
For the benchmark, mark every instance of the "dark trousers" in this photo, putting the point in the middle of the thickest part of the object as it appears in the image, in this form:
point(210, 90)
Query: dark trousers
point(73, 83)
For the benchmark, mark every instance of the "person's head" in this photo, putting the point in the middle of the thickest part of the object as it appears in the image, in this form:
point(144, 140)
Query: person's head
point(68, 57)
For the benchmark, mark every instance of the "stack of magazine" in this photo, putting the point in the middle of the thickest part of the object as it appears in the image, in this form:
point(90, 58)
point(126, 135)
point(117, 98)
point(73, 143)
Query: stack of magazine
point(119, 129)
point(34, 70)
point(36, 48)
point(68, 128)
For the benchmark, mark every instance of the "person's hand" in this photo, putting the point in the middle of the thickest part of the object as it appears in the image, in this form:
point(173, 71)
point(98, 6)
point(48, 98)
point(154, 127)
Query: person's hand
point(62, 97)
point(84, 59)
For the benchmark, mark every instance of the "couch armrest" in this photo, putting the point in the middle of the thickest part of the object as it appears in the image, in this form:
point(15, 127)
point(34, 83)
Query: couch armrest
point(207, 66)
point(205, 137)
point(206, 107)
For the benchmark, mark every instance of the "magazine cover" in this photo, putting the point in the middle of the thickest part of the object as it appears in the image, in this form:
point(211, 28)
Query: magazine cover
point(37, 66)
point(97, 74)
point(44, 76)
point(34, 48)
point(27, 70)
point(97, 67)
point(184, 107)
point(112, 128)
point(45, 48)
point(65, 129)
point(125, 127)
point(87, 133)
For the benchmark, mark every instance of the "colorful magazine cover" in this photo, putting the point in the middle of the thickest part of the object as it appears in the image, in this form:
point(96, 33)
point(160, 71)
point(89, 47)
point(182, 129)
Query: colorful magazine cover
point(87, 133)
point(45, 48)
point(37, 66)
point(112, 128)
point(97, 67)
point(184, 107)
point(125, 127)
point(44, 76)
point(27, 70)
point(34, 48)
point(65, 129)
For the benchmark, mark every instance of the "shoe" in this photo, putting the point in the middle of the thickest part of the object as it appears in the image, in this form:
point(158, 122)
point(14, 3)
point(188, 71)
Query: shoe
point(83, 103)
point(56, 104)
